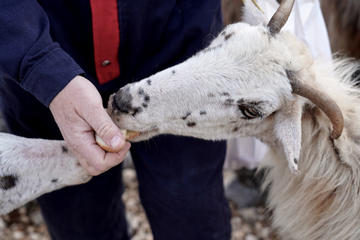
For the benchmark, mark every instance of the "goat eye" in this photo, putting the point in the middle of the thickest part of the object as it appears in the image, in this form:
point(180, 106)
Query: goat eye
point(249, 112)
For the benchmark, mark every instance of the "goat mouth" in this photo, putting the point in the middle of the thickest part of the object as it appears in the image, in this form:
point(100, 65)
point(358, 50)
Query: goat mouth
point(144, 135)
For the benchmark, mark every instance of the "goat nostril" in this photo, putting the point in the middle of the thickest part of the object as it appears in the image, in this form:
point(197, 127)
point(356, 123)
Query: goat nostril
point(122, 100)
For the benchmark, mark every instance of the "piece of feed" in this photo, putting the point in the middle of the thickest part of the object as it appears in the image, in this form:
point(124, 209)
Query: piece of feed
point(128, 136)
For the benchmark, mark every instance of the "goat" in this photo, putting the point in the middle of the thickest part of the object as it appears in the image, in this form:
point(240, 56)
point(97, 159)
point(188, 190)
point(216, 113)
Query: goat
point(257, 81)
point(250, 81)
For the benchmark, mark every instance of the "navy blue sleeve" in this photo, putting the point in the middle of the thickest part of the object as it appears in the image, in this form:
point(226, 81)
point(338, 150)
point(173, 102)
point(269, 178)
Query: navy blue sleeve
point(29, 55)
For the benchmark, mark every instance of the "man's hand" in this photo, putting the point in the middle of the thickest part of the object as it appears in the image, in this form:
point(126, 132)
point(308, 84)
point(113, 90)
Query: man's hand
point(78, 111)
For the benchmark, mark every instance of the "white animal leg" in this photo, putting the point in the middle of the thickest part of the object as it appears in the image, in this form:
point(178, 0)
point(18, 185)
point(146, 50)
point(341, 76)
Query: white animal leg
point(32, 167)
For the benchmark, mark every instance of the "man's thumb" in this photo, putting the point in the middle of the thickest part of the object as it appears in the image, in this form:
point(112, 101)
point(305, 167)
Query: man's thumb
point(108, 132)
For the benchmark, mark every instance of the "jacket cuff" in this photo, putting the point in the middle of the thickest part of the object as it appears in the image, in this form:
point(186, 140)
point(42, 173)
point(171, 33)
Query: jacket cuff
point(50, 75)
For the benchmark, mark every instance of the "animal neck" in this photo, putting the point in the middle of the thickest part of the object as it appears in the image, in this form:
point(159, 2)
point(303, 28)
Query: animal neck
point(327, 185)
point(319, 153)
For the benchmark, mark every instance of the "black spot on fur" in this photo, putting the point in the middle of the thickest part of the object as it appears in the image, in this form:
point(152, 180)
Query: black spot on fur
point(225, 94)
point(64, 149)
point(8, 181)
point(144, 105)
point(235, 129)
point(148, 82)
point(186, 116)
point(141, 91)
point(54, 180)
point(296, 160)
point(136, 111)
point(249, 103)
point(122, 100)
point(227, 36)
point(173, 72)
point(223, 33)
point(229, 101)
point(191, 124)
point(147, 98)
point(202, 112)
point(211, 95)
point(240, 101)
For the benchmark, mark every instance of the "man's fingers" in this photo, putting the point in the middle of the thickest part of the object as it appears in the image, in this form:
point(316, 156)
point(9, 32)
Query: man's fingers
point(106, 129)
point(98, 166)
point(78, 111)
point(91, 157)
point(113, 159)
point(94, 159)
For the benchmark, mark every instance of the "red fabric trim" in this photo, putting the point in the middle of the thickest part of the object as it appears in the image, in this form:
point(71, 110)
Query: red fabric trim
point(106, 37)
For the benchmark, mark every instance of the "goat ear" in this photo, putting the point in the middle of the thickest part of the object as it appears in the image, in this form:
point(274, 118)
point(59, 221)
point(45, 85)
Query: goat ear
point(288, 132)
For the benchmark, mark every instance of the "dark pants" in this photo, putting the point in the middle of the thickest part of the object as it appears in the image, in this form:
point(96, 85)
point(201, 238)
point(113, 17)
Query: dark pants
point(180, 184)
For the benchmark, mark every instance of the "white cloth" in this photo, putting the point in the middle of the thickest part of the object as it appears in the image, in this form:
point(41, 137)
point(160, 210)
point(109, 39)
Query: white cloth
point(307, 23)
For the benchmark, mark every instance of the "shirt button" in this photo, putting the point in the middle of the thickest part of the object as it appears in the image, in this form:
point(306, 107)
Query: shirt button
point(105, 63)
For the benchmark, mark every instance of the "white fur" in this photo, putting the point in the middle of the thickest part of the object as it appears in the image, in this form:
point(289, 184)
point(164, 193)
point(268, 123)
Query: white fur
point(39, 166)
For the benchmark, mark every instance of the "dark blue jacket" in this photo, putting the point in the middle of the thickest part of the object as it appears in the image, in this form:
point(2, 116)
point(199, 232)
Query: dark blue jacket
point(45, 43)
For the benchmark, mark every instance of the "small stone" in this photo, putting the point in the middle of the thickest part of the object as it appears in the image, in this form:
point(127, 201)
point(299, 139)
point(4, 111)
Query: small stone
point(35, 236)
point(245, 228)
point(129, 176)
point(132, 202)
point(258, 226)
point(236, 223)
point(237, 235)
point(251, 237)
point(30, 229)
point(265, 232)
point(18, 235)
point(141, 236)
point(36, 217)
point(249, 214)
point(24, 219)
point(22, 210)
point(2, 227)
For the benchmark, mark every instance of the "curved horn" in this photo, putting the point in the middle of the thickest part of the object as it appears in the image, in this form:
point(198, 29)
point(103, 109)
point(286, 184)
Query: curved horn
point(324, 102)
point(280, 17)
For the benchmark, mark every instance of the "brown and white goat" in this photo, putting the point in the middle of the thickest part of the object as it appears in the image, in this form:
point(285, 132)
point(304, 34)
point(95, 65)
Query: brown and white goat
point(251, 81)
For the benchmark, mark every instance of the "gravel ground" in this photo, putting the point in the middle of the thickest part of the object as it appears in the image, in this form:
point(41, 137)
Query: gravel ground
point(26, 223)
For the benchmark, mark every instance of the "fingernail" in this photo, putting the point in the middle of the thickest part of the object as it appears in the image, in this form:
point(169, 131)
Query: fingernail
point(116, 141)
